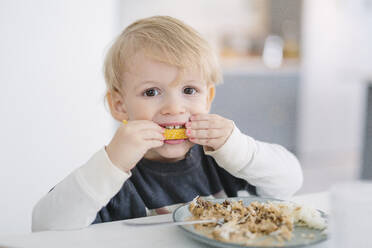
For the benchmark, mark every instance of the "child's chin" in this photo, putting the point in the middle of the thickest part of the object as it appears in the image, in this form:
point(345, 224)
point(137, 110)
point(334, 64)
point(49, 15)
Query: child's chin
point(177, 151)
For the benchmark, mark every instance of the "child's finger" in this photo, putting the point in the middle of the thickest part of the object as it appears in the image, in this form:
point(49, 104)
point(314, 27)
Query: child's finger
point(204, 117)
point(205, 124)
point(205, 133)
point(154, 143)
point(143, 124)
point(152, 135)
point(206, 142)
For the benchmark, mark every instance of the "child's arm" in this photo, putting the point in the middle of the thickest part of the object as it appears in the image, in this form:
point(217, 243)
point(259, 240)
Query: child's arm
point(75, 201)
point(271, 168)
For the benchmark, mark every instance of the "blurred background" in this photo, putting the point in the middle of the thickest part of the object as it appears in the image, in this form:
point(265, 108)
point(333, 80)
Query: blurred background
point(296, 72)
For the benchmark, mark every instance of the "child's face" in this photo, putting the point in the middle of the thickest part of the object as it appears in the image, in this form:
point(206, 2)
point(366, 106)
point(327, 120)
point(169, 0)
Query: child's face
point(155, 91)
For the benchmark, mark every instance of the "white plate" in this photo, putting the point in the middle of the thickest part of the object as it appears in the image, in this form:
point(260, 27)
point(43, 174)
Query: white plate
point(182, 213)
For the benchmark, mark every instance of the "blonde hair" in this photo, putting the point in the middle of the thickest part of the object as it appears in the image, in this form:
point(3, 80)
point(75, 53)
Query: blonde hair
point(164, 39)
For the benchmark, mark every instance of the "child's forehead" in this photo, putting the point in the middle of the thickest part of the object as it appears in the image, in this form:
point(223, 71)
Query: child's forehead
point(184, 77)
point(143, 69)
point(180, 79)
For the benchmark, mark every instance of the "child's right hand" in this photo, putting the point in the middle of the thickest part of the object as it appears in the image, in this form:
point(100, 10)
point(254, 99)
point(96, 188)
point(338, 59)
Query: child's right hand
point(132, 140)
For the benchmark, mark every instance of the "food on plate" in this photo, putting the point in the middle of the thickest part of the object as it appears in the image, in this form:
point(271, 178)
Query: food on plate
point(175, 133)
point(247, 224)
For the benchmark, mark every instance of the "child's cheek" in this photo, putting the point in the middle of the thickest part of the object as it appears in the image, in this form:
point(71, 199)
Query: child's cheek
point(200, 106)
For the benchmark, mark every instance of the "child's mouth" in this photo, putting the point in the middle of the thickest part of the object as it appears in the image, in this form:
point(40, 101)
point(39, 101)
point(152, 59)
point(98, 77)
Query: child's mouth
point(170, 127)
point(175, 134)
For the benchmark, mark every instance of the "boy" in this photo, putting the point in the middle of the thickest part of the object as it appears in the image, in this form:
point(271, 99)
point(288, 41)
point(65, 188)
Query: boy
point(161, 74)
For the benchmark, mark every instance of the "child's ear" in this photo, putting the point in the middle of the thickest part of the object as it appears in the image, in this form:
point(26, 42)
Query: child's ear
point(117, 108)
point(210, 97)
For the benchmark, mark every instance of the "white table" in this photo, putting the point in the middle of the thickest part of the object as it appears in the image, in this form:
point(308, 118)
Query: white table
point(115, 234)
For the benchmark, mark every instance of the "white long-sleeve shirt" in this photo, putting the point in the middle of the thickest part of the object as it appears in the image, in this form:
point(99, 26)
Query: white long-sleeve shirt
point(100, 186)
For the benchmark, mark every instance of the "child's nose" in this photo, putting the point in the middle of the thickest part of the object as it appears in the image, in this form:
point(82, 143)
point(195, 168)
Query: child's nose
point(173, 107)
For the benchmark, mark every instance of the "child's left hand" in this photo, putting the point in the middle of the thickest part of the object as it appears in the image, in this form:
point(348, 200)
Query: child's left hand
point(209, 130)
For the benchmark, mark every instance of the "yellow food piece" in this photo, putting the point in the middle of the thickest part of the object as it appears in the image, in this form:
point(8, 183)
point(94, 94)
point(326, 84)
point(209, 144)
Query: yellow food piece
point(171, 134)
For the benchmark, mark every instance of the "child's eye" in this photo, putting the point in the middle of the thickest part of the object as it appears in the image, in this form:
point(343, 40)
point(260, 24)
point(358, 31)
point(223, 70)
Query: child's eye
point(189, 91)
point(151, 92)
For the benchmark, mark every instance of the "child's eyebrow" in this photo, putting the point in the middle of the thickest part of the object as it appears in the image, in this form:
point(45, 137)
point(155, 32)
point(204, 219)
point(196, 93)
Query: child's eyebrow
point(192, 81)
point(174, 83)
point(146, 82)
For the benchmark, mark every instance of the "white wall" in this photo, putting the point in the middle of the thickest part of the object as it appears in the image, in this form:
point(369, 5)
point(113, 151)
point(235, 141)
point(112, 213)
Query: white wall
point(336, 59)
point(212, 18)
point(201, 15)
point(51, 103)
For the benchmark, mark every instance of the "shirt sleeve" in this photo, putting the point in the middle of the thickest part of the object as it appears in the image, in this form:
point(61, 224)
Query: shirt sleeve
point(274, 171)
point(76, 200)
